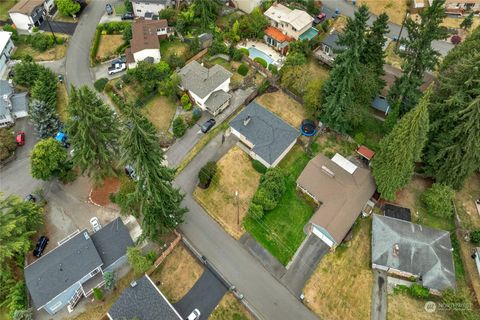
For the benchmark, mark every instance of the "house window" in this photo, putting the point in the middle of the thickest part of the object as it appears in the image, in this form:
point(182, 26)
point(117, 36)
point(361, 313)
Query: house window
point(139, 10)
point(94, 272)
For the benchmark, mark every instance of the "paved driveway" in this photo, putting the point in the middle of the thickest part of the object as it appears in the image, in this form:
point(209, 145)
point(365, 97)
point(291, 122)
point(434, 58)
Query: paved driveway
point(204, 296)
point(60, 27)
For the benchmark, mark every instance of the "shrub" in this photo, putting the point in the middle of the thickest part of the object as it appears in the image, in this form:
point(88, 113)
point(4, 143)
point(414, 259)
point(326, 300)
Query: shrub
point(456, 39)
point(23, 315)
point(237, 54)
point(109, 277)
point(255, 211)
point(98, 294)
point(7, 143)
point(273, 68)
point(196, 114)
point(274, 181)
point(243, 69)
point(151, 256)
point(475, 236)
point(127, 78)
point(100, 84)
point(419, 291)
point(325, 25)
point(244, 51)
point(206, 174)
point(16, 298)
point(35, 29)
point(264, 86)
point(137, 260)
point(185, 100)
point(11, 29)
point(179, 127)
point(438, 200)
point(96, 43)
point(359, 138)
point(258, 166)
point(261, 61)
point(265, 198)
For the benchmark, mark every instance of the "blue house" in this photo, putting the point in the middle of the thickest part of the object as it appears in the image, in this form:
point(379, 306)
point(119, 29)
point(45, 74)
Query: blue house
point(73, 269)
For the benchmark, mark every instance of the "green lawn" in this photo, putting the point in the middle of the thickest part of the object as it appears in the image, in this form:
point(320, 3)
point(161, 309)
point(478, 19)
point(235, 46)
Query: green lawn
point(169, 47)
point(120, 9)
point(5, 5)
point(369, 132)
point(280, 231)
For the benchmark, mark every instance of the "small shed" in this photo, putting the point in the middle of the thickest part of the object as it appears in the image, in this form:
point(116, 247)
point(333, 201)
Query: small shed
point(365, 153)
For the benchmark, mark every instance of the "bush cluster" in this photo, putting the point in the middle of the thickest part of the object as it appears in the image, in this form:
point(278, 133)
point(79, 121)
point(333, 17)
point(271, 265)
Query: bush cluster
point(40, 41)
point(438, 200)
point(273, 68)
point(415, 290)
point(270, 191)
point(179, 127)
point(259, 167)
point(475, 236)
point(100, 84)
point(261, 61)
point(206, 174)
point(243, 69)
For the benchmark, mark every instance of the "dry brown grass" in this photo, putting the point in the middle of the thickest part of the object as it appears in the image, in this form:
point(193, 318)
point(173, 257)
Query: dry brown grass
point(391, 57)
point(465, 203)
point(160, 111)
point(177, 274)
point(285, 107)
point(230, 308)
point(108, 44)
point(62, 101)
point(455, 23)
point(341, 287)
point(316, 70)
point(235, 173)
point(401, 307)
point(394, 8)
point(339, 23)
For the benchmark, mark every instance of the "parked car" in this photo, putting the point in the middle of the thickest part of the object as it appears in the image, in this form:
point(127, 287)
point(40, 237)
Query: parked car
point(60, 78)
point(20, 138)
point(194, 315)
point(95, 224)
point(30, 197)
point(109, 9)
point(11, 74)
point(319, 18)
point(40, 246)
point(129, 171)
point(121, 59)
point(117, 67)
point(128, 16)
point(207, 125)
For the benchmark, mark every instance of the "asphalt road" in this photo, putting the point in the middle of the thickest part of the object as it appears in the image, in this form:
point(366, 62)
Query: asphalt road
point(347, 9)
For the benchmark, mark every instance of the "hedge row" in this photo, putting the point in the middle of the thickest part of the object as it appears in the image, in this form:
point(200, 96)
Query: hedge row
point(96, 44)
point(261, 61)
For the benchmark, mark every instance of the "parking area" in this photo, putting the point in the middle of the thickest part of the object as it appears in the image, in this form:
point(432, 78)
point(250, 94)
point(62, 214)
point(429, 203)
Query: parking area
point(101, 71)
point(204, 296)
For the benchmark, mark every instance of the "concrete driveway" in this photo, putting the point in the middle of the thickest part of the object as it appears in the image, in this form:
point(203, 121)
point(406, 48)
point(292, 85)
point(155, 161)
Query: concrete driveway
point(204, 296)
point(101, 71)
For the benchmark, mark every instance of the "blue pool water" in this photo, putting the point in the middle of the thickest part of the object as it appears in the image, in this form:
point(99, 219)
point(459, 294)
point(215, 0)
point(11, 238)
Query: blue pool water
point(309, 34)
point(254, 52)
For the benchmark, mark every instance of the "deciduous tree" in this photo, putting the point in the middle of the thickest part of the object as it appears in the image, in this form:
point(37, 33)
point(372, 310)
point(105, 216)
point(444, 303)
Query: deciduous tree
point(206, 12)
point(7, 143)
point(92, 129)
point(467, 22)
point(67, 7)
point(48, 159)
point(393, 165)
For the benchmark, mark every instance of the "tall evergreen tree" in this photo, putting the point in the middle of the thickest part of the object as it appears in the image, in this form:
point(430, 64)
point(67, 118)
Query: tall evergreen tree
point(453, 152)
point(158, 201)
point(45, 88)
point(467, 22)
point(206, 12)
point(373, 53)
point(339, 89)
point(418, 57)
point(44, 119)
point(92, 130)
point(393, 165)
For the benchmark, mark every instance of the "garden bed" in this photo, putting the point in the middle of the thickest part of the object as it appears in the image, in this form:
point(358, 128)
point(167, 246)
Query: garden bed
point(280, 231)
point(235, 173)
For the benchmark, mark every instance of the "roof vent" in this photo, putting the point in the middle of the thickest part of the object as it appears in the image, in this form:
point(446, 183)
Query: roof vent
point(247, 120)
point(85, 234)
point(329, 172)
point(396, 250)
point(133, 284)
point(60, 269)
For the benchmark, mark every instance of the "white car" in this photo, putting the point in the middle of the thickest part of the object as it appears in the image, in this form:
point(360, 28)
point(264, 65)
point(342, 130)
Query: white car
point(117, 67)
point(95, 224)
point(194, 315)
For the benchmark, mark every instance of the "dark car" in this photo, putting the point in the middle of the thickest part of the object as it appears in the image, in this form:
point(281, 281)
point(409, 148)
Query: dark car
point(30, 197)
point(60, 78)
point(319, 18)
point(130, 171)
point(40, 247)
point(109, 9)
point(207, 125)
point(128, 16)
point(11, 74)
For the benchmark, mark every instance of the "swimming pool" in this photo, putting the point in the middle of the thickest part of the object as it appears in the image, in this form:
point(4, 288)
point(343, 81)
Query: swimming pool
point(254, 52)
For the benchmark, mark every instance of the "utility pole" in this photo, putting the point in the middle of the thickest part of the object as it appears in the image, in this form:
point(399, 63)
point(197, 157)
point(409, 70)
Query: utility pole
point(407, 13)
point(49, 26)
point(238, 210)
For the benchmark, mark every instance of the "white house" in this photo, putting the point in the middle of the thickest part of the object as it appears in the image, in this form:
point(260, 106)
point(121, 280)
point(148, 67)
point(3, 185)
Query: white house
point(207, 87)
point(246, 6)
point(292, 23)
point(147, 8)
point(6, 48)
point(27, 14)
point(12, 105)
point(145, 45)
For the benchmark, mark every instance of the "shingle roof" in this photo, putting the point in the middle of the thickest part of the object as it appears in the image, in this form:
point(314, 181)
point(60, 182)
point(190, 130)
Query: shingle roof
point(203, 81)
point(342, 195)
point(332, 41)
point(216, 100)
point(26, 6)
point(269, 134)
point(144, 34)
point(422, 250)
point(144, 301)
point(60, 268)
point(297, 18)
point(112, 241)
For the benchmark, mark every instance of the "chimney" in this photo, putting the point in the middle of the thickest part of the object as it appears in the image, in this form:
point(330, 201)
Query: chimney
point(246, 120)
point(133, 284)
point(396, 250)
point(329, 172)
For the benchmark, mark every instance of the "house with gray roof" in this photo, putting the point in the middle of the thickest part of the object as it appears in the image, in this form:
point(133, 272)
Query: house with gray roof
point(407, 249)
point(143, 300)
point(208, 87)
point(12, 105)
point(149, 9)
point(329, 48)
point(76, 266)
point(263, 135)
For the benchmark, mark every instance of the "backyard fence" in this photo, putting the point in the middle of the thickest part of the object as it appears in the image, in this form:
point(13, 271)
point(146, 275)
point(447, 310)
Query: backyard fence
point(198, 55)
point(165, 253)
point(225, 57)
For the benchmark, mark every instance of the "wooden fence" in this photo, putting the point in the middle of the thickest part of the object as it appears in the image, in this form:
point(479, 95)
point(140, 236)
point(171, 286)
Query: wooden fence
point(165, 253)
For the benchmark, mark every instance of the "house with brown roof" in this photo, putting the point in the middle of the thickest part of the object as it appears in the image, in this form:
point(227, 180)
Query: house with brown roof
point(145, 44)
point(341, 189)
point(27, 14)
